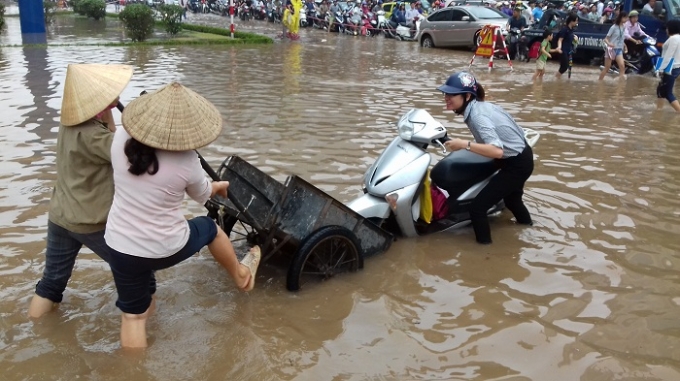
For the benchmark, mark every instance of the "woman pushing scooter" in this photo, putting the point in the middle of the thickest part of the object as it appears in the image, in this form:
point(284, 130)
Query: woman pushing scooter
point(497, 136)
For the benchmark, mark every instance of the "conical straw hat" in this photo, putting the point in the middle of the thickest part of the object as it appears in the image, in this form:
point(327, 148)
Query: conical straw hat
point(172, 118)
point(90, 88)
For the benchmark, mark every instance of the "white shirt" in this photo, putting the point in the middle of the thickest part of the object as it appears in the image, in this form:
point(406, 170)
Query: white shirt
point(411, 14)
point(671, 49)
point(146, 218)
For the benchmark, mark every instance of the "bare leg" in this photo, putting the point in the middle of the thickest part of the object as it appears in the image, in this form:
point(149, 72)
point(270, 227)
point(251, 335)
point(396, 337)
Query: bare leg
point(607, 65)
point(676, 105)
point(660, 102)
point(133, 329)
point(40, 306)
point(622, 66)
point(223, 252)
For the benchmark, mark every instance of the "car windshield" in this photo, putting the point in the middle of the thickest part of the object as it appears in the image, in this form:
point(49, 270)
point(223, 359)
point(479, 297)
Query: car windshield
point(674, 8)
point(485, 13)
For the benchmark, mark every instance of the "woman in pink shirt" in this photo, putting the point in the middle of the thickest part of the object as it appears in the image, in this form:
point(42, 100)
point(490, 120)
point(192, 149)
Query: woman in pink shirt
point(154, 167)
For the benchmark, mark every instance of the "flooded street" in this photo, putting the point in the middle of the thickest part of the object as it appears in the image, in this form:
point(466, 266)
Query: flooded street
point(590, 292)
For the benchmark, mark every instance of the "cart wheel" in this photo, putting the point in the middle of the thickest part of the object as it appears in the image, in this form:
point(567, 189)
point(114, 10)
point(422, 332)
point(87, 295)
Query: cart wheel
point(238, 230)
point(324, 253)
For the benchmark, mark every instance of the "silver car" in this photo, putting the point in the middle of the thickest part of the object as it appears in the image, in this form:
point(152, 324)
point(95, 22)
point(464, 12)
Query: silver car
point(459, 26)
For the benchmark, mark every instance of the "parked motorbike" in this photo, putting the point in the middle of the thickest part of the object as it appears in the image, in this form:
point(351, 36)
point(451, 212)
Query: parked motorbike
point(203, 7)
point(303, 18)
point(194, 6)
point(214, 7)
point(222, 7)
point(393, 184)
point(517, 44)
point(642, 62)
point(260, 13)
point(353, 22)
point(369, 25)
point(381, 20)
point(402, 32)
point(319, 21)
point(244, 12)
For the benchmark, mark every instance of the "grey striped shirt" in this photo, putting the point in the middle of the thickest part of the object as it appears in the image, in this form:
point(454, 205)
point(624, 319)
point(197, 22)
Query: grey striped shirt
point(490, 124)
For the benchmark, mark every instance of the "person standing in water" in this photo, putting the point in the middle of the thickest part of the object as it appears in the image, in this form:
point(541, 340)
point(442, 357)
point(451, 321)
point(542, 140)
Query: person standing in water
point(565, 43)
point(670, 56)
point(83, 193)
point(497, 136)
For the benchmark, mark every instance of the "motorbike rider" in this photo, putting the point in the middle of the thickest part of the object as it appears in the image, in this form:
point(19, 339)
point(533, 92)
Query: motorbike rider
point(323, 8)
point(412, 15)
point(649, 7)
point(592, 15)
point(548, 17)
point(377, 7)
point(633, 34)
point(398, 16)
point(497, 136)
point(517, 21)
point(536, 11)
point(310, 7)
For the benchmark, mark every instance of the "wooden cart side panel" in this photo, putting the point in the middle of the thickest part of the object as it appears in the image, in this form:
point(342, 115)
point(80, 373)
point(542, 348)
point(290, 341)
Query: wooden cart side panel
point(254, 189)
point(299, 210)
point(373, 239)
point(265, 184)
point(307, 208)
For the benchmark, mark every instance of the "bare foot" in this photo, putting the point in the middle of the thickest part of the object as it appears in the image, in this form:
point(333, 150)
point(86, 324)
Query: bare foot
point(40, 306)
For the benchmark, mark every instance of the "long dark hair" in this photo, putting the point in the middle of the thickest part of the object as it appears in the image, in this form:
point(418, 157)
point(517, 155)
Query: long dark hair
point(619, 18)
point(142, 158)
point(480, 92)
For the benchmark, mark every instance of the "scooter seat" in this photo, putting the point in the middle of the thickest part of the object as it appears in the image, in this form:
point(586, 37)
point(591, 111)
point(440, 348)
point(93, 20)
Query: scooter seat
point(460, 170)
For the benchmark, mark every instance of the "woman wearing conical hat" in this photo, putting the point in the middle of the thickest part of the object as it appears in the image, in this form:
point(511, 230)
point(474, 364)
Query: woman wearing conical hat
point(154, 165)
point(83, 192)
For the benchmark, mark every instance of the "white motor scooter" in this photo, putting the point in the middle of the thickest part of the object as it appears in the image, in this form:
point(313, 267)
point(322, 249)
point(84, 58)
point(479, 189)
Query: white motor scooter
point(303, 17)
point(392, 185)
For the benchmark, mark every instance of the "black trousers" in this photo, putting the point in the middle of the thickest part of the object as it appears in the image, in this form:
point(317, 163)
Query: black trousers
point(507, 185)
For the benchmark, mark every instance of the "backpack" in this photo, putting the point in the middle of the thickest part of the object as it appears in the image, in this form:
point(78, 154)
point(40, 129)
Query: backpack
point(535, 49)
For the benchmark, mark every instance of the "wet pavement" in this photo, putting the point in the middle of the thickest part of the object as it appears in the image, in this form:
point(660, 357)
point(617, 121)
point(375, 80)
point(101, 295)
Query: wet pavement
point(590, 292)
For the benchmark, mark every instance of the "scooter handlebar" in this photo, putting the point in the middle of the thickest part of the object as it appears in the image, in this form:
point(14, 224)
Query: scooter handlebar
point(440, 142)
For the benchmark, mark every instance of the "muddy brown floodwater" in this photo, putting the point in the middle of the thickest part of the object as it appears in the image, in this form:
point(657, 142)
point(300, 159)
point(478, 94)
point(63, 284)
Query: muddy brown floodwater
point(591, 292)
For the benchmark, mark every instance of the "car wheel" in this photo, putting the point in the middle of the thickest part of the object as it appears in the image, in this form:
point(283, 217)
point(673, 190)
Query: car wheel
point(477, 39)
point(427, 42)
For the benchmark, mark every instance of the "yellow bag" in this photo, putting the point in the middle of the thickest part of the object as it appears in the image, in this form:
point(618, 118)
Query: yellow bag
point(426, 200)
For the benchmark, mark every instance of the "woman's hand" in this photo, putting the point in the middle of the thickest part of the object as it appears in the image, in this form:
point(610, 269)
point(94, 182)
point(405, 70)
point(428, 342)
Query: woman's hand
point(455, 144)
point(219, 188)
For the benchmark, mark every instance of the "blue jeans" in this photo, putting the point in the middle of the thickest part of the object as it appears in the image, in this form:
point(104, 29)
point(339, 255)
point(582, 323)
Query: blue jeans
point(665, 88)
point(132, 273)
point(60, 257)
